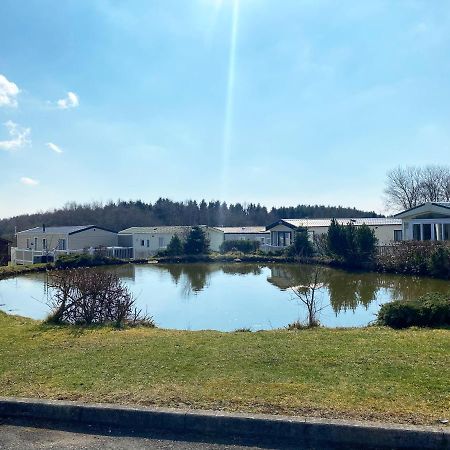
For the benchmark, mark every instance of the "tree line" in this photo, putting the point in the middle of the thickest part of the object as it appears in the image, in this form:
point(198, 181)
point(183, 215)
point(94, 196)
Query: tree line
point(123, 214)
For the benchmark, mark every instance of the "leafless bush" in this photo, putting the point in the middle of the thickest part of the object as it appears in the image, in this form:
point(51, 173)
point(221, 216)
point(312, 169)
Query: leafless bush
point(321, 245)
point(92, 296)
point(417, 258)
point(297, 325)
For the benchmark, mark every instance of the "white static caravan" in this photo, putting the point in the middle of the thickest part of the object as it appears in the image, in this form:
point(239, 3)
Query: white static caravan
point(147, 241)
point(387, 230)
point(251, 233)
point(427, 222)
point(36, 242)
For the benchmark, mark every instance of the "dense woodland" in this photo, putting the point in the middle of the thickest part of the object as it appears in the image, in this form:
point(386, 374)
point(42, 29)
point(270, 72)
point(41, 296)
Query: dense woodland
point(123, 214)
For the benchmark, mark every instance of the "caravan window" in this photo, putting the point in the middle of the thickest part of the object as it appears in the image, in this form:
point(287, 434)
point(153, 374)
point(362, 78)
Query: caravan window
point(426, 232)
point(398, 235)
point(446, 231)
point(416, 232)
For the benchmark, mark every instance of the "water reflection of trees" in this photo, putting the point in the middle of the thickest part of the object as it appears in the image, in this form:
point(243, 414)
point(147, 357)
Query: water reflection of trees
point(192, 277)
point(195, 278)
point(125, 271)
point(242, 269)
point(348, 290)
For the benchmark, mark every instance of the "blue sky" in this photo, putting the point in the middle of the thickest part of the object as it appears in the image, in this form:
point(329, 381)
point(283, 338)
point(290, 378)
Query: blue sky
point(108, 99)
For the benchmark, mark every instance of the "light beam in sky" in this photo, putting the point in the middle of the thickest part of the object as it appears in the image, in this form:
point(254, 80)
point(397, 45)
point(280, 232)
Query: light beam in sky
point(228, 124)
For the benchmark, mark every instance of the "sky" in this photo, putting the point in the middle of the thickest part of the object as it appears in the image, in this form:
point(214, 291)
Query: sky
point(281, 102)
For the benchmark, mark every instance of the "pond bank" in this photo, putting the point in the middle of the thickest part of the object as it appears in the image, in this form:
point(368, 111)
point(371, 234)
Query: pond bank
point(12, 271)
point(375, 267)
point(366, 374)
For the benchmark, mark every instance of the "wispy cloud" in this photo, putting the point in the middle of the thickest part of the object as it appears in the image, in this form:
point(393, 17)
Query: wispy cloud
point(71, 101)
point(8, 92)
point(19, 137)
point(54, 147)
point(29, 181)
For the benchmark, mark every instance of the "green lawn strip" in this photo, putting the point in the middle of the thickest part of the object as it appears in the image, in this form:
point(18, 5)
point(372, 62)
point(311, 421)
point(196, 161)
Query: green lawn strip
point(13, 270)
point(369, 373)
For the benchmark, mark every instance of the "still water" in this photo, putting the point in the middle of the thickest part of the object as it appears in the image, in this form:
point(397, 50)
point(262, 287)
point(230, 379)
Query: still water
point(236, 295)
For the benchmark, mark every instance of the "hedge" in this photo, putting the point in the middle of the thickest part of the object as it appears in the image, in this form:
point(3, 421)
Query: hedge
point(431, 310)
point(243, 246)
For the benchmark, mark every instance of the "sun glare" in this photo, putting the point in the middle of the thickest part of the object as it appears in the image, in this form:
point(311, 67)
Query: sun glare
point(229, 106)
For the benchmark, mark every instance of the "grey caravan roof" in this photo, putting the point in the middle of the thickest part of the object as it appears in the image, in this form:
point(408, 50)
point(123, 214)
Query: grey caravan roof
point(312, 223)
point(63, 229)
point(242, 230)
point(156, 230)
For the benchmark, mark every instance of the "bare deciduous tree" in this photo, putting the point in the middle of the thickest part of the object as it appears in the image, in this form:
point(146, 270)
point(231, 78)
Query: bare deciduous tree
point(403, 187)
point(307, 295)
point(407, 187)
point(435, 180)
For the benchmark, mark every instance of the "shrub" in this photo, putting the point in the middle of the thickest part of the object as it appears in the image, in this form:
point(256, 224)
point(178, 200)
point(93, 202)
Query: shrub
point(439, 262)
point(298, 325)
point(301, 246)
point(431, 310)
point(84, 260)
point(245, 246)
point(92, 297)
point(417, 258)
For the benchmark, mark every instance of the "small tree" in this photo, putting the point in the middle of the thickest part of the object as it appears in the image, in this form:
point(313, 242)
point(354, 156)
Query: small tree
point(196, 242)
point(175, 246)
point(301, 246)
point(350, 243)
point(307, 295)
point(366, 243)
point(336, 239)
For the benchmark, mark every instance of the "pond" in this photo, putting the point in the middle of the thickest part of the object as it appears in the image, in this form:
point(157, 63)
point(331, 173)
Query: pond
point(230, 296)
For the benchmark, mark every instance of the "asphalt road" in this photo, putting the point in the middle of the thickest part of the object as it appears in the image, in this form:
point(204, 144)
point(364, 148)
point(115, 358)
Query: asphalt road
point(25, 436)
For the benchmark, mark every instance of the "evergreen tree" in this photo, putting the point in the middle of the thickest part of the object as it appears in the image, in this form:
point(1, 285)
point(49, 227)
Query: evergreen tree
point(336, 239)
point(175, 247)
point(366, 243)
point(301, 246)
point(196, 242)
point(353, 244)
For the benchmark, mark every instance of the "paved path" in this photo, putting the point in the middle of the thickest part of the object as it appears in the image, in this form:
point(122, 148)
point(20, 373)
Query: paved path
point(20, 437)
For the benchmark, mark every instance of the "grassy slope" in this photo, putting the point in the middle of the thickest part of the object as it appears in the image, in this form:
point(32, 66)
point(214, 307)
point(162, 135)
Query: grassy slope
point(372, 373)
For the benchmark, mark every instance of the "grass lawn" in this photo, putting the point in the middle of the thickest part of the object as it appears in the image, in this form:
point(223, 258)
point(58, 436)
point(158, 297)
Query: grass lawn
point(370, 373)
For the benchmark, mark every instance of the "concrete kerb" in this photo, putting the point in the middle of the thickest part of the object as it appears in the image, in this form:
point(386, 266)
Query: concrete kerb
point(308, 431)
